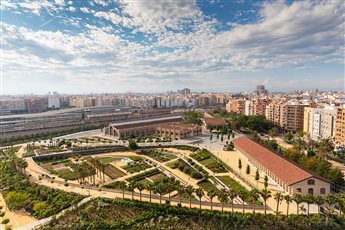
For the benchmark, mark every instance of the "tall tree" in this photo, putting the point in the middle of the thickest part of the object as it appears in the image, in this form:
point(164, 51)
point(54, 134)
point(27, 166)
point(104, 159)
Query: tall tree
point(257, 177)
point(309, 199)
point(243, 194)
point(265, 194)
point(239, 164)
point(266, 181)
point(288, 200)
point(181, 192)
point(149, 187)
point(297, 197)
point(189, 191)
point(318, 201)
point(123, 186)
point(278, 197)
point(248, 170)
point(199, 192)
point(211, 194)
point(131, 187)
point(232, 195)
point(140, 186)
point(223, 197)
point(254, 195)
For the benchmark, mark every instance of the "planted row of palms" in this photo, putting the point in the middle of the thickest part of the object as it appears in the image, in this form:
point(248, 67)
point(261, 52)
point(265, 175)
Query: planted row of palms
point(328, 201)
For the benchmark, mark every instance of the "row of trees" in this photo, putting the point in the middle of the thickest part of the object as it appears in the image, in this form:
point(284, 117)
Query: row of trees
point(224, 196)
point(20, 193)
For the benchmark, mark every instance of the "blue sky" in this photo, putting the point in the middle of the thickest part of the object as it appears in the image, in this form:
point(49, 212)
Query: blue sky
point(153, 46)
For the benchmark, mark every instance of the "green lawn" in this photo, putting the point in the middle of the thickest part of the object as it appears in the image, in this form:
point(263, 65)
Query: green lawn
point(107, 160)
point(207, 185)
point(136, 166)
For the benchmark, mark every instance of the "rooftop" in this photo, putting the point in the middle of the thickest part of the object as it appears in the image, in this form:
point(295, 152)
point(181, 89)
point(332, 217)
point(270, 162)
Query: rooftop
point(288, 171)
point(215, 121)
point(154, 121)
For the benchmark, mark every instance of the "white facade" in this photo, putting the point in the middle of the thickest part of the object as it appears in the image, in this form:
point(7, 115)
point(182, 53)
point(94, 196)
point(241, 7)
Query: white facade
point(320, 122)
point(54, 102)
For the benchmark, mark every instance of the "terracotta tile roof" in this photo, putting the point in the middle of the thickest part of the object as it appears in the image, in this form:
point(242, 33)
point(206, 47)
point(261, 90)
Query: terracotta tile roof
point(178, 126)
point(145, 123)
point(215, 121)
point(288, 171)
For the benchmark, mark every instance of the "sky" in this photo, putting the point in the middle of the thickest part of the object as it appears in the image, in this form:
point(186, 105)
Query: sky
point(115, 46)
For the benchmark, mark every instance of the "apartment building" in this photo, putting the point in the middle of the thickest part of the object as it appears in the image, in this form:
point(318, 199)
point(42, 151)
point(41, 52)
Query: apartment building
point(320, 122)
point(340, 128)
point(236, 106)
point(258, 106)
point(289, 116)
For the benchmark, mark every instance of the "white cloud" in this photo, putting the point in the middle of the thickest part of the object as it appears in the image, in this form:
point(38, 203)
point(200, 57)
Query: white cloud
point(60, 2)
point(7, 4)
point(72, 9)
point(282, 36)
point(85, 10)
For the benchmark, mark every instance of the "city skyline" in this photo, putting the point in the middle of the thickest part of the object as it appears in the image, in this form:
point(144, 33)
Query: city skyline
point(77, 47)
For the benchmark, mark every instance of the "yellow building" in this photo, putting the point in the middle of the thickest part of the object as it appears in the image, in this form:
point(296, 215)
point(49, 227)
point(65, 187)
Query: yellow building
point(340, 128)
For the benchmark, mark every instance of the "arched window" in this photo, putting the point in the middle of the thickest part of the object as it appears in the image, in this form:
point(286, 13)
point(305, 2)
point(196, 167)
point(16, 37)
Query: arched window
point(311, 191)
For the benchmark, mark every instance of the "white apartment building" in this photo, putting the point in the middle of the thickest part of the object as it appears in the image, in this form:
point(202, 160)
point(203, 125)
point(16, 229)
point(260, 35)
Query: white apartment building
point(320, 122)
point(54, 102)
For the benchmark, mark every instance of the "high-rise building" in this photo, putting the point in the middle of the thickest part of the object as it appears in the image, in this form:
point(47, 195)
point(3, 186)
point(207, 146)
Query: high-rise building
point(288, 116)
point(320, 122)
point(260, 90)
point(340, 128)
point(54, 102)
point(185, 91)
point(236, 106)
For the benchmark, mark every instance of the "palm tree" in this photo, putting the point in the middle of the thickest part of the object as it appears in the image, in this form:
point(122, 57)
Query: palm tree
point(181, 192)
point(297, 197)
point(211, 194)
point(318, 201)
point(288, 200)
point(243, 194)
point(123, 186)
point(309, 199)
point(149, 186)
point(160, 189)
point(199, 193)
point(254, 197)
point(223, 197)
point(278, 197)
point(232, 196)
point(131, 186)
point(329, 199)
point(341, 201)
point(189, 191)
point(265, 194)
point(140, 186)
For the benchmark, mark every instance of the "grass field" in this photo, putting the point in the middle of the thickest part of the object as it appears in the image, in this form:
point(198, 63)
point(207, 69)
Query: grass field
point(208, 159)
point(158, 155)
point(107, 160)
point(207, 185)
point(142, 176)
point(136, 166)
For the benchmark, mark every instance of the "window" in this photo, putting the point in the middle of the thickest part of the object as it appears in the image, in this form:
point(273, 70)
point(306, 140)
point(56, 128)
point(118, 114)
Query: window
point(322, 191)
point(311, 182)
point(299, 190)
point(311, 191)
